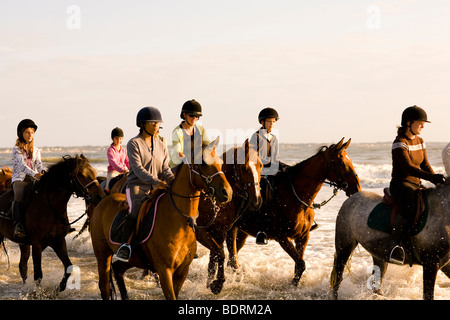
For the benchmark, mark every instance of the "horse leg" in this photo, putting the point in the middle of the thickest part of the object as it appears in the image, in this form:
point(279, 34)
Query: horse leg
point(119, 269)
point(235, 241)
point(23, 264)
point(300, 266)
point(179, 277)
point(37, 260)
point(216, 259)
point(60, 249)
point(166, 281)
point(430, 269)
point(300, 246)
point(380, 268)
point(344, 244)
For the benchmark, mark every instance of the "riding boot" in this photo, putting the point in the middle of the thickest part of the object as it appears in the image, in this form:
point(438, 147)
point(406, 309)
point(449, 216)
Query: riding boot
point(124, 252)
point(399, 233)
point(19, 231)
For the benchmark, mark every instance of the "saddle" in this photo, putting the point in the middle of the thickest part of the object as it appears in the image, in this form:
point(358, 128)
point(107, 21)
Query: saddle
point(383, 216)
point(145, 220)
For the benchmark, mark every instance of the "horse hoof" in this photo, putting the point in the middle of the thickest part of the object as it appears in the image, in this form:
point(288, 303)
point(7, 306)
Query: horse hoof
point(216, 287)
point(295, 281)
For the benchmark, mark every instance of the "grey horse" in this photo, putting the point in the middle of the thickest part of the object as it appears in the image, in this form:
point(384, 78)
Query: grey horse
point(431, 246)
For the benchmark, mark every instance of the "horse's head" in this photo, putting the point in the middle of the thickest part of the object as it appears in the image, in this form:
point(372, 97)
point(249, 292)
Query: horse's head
point(246, 172)
point(84, 179)
point(5, 178)
point(208, 175)
point(340, 168)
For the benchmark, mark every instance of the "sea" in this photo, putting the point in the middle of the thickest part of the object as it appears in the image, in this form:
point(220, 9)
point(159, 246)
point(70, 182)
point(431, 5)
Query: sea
point(266, 271)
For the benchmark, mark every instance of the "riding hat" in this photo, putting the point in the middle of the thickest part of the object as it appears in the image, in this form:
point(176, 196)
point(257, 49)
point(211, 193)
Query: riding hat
point(25, 124)
point(116, 132)
point(148, 114)
point(191, 107)
point(267, 113)
point(413, 113)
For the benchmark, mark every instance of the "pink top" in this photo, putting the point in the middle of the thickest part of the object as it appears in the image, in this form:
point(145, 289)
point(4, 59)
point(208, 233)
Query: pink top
point(118, 160)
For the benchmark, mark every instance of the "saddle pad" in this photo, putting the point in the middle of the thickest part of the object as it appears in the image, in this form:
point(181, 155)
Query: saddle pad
point(380, 219)
point(145, 229)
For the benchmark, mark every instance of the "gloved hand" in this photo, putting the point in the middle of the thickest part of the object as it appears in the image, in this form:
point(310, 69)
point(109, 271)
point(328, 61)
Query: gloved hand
point(438, 178)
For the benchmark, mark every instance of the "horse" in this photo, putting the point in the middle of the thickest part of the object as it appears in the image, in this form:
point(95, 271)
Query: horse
point(5, 179)
point(431, 246)
point(172, 245)
point(45, 212)
point(289, 214)
point(242, 168)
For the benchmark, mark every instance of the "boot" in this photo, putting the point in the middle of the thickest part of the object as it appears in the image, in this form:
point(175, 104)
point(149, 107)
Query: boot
point(19, 231)
point(124, 252)
point(399, 232)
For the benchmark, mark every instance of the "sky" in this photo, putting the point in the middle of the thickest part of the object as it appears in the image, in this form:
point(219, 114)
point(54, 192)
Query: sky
point(331, 69)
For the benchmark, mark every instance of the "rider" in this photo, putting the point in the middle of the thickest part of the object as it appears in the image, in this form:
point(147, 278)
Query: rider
point(27, 166)
point(149, 170)
point(266, 144)
point(446, 159)
point(117, 157)
point(409, 165)
point(189, 136)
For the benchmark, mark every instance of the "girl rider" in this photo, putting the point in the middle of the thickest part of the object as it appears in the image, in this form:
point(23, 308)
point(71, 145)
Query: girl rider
point(27, 166)
point(409, 165)
point(149, 169)
point(117, 157)
point(266, 144)
point(189, 137)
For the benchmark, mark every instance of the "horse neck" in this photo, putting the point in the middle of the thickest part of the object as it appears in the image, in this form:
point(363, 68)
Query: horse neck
point(310, 177)
point(183, 186)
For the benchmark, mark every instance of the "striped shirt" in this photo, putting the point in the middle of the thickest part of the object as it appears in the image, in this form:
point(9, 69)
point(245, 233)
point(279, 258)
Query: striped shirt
point(410, 160)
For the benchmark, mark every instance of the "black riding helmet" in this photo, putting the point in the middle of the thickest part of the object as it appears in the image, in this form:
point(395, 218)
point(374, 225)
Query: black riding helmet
point(191, 107)
point(268, 113)
point(413, 113)
point(25, 124)
point(116, 132)
point(148, 114)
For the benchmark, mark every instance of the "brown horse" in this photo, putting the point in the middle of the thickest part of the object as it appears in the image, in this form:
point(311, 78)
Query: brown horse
point(5, 179)
point(45, 212)
point(242, 168)
point(289, 215)
point(171, 248)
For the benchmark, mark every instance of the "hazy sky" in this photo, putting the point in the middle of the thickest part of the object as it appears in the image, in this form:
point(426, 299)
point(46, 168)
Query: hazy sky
point(331, 68)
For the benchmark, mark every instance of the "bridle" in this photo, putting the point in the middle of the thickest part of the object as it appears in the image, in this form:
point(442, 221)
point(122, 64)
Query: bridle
point(340, 185)
point(191, 221)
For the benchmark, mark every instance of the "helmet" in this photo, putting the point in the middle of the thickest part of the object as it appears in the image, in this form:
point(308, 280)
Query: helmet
point(25, 124)
point(267, 113)
point(148, 114)
point(116, 132)
point(191, 107)
point(413, 113)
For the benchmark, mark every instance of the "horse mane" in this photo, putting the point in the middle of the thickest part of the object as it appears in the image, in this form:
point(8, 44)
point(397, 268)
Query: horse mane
point(240, 153)
point(60, 171)
point(291, 170)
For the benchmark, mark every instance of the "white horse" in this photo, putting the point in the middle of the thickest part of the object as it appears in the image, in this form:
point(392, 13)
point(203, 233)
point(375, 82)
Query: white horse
point(431, 246)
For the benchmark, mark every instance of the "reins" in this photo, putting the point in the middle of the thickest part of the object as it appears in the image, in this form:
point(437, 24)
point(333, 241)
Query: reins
point(192, 221)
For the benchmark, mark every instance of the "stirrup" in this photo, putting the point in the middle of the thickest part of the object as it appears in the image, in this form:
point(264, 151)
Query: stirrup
point(261, 238)
point(19, 232)
point(122, 255)
point(402, 254)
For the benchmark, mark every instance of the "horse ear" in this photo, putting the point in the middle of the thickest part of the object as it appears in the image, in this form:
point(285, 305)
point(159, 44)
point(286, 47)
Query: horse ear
point(339, 145)
point(247, 151)
point(345, 146)
point(210, 151)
